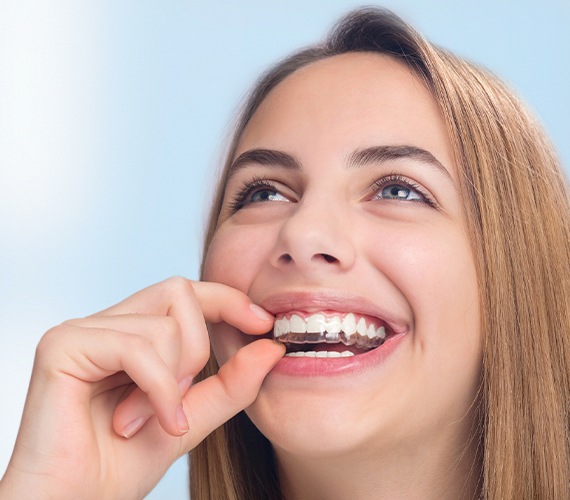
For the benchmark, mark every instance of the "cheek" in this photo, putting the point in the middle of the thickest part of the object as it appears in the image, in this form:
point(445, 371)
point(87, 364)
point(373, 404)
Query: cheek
point(235, 256)
point(448, 284)
point(435, 270)
point(433, 267)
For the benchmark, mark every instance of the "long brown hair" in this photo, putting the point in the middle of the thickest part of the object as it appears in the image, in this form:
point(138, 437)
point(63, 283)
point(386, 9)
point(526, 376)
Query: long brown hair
point(517, 206)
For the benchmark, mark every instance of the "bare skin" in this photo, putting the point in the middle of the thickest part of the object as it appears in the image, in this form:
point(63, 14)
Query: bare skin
point(328, 234)
point(339, 231)
point(77, 435)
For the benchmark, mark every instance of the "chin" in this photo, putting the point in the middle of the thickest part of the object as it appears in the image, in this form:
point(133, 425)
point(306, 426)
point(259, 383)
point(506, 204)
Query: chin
point(328, 417)
point(309, 426)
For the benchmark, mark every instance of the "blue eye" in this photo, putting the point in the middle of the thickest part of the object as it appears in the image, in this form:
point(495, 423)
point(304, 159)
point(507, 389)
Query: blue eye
point(400, 192)
point(257, 191)
point(265, 194)
point(398, 188)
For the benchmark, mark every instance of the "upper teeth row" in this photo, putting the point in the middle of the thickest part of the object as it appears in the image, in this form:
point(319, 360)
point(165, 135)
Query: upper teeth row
point(319, 323)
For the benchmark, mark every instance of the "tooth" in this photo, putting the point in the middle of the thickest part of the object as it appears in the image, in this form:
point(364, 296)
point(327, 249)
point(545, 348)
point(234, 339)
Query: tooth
point(350, 339)
point(349, 324)
point(371, 332)
point(297, 354)
point(381, 332)
point(333, 325)
point(284, 326)
point(361, 327)
point(297, 324)
point(316, 323)
point(332, 336)
point(278, 328)
point(319, 354)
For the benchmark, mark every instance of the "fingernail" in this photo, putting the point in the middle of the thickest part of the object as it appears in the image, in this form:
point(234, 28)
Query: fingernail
point(181, 420)
point(134, 426)
point(261, 313)
point(184, 384)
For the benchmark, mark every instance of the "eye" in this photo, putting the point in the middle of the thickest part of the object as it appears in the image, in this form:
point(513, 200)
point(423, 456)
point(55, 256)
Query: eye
point(399, 192)
point(396, 187)
point(256, 191)
point(266, 194)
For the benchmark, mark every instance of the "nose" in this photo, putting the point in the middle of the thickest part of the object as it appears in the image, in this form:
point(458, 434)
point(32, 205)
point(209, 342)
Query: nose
point(315, 237)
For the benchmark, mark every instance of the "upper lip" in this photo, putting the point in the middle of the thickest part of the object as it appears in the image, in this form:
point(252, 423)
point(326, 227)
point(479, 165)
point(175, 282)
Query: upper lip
point(332, 300)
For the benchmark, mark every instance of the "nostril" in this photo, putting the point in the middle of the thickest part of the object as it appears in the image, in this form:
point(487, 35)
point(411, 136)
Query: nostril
point(286, 258)
point(329, 258)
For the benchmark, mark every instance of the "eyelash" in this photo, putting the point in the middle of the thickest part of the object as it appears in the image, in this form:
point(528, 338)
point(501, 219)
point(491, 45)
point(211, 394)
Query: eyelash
point(379, 184)
point(240, 199)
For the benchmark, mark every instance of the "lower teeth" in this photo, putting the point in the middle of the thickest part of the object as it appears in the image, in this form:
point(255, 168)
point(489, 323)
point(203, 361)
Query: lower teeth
point(319, 354)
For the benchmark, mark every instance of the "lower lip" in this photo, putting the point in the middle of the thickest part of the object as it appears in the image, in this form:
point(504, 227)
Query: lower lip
point(326, 367)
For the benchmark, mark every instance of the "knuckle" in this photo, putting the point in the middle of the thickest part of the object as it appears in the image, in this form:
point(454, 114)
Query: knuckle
point(232, 396)
point(179, 285)
point(71, 322)
point(200, 357)
point(50, 340)
point(50, 347)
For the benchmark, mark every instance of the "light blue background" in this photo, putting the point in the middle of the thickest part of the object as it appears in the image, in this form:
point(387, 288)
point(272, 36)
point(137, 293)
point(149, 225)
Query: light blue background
point(112, 116)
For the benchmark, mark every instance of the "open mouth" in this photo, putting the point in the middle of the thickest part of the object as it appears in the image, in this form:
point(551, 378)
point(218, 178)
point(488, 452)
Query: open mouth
point(322, 335)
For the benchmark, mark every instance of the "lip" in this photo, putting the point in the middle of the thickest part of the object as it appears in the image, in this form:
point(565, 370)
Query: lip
point(334, 301)
point(327, 367)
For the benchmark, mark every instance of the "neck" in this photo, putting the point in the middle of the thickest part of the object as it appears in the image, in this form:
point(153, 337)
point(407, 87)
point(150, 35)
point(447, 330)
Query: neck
point(439, 470)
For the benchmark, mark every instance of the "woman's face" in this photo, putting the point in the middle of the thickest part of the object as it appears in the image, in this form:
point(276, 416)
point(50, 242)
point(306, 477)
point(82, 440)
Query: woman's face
point(342, 212)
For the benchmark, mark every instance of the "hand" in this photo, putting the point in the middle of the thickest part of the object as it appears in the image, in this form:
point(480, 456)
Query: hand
point(111, 402)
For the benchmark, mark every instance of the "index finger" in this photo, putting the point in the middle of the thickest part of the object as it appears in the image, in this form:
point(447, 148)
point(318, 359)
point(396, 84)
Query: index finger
point(214, 301)
point(192, 304)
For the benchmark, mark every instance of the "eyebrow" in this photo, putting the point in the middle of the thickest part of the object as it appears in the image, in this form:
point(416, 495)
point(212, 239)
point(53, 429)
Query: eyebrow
point(358, 158)
point(382, 154)
point(266, 157)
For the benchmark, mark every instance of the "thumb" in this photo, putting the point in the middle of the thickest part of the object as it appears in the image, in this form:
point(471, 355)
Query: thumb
point(213, 401)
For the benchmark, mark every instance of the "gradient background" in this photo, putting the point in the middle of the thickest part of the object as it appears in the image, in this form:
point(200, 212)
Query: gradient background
point(112, 116)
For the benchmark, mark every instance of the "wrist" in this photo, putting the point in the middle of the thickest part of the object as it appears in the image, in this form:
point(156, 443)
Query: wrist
point(18, 486)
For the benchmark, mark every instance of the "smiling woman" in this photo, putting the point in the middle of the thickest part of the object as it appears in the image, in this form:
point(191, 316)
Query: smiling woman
point(385, 295)
point(365, 207)
point(430, 242)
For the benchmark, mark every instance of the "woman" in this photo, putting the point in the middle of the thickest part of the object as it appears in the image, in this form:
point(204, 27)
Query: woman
point(393, 217)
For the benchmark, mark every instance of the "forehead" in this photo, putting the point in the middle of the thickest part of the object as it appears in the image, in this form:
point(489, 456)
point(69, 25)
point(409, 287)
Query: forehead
point(346, 102)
